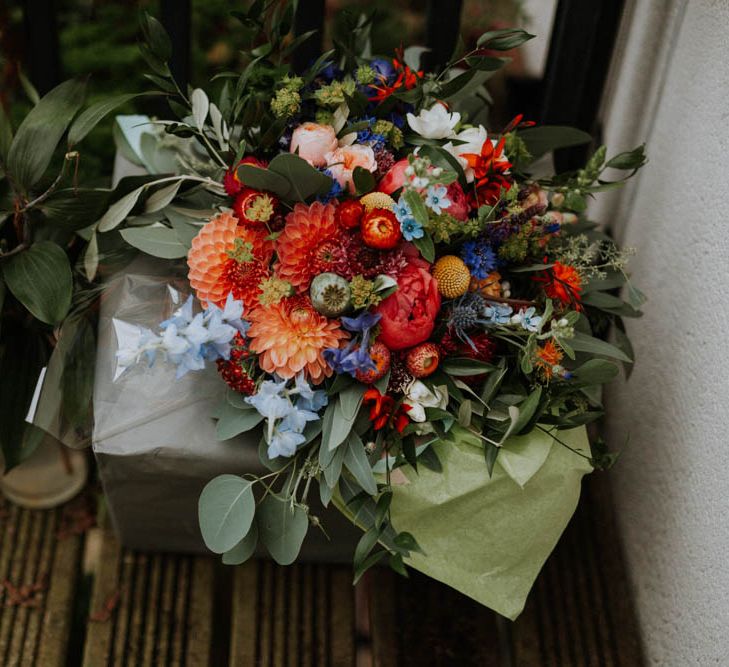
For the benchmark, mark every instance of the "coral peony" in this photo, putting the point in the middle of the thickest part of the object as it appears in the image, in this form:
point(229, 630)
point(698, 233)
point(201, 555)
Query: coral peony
point(309, 244)
point(343, 161)
point(290, 336)
point(408, 315)
point(313, 142)
point(394, 178)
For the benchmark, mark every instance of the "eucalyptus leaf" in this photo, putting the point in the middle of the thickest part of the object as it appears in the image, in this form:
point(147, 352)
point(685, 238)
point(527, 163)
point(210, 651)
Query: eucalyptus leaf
point(304, 180)
point(40, 278)
point(226, 509)
point(263, 179)
point(527, 410)
point(282, 528)
point(596, 371)
point(242, 551)
point(233, 421)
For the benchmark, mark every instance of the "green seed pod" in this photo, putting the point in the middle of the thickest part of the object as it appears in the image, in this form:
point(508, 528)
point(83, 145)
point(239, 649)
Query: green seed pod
point(330, 294)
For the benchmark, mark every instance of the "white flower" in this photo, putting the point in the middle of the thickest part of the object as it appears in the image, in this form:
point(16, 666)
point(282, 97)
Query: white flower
point(434, 123)
point(419, 397)
point(472, 140)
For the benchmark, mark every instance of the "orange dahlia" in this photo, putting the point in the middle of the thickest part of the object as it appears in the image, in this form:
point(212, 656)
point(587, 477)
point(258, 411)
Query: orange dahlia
point(310, 244)
point(290, 336)
point(228, 257)
point(547, 357)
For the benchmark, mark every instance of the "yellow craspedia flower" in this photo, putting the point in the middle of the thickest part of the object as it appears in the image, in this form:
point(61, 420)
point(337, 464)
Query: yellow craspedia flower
point(452, 276)
point(377, 200)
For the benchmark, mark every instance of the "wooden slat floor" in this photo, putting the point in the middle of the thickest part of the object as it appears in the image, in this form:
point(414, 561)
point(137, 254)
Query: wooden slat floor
point(69, 595)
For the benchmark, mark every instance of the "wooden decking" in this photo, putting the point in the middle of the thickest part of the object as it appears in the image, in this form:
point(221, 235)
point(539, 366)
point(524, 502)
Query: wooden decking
point(70, 596)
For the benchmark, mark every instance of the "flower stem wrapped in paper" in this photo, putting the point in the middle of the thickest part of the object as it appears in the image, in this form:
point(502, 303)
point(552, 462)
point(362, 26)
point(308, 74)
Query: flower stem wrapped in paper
point(416, 336)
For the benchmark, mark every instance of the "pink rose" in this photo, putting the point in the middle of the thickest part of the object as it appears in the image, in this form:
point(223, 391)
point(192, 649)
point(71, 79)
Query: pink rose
point(313, 142)
point(343, 161)
point(408, 315)
point(394, 178)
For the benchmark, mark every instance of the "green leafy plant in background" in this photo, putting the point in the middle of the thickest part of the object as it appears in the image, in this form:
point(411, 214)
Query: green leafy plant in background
point(41, 210)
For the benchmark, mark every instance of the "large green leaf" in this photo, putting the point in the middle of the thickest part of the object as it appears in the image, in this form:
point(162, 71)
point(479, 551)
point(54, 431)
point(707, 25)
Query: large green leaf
point(281, 528)
point(263, 179)
point(40, 278)
point(41, 130)
point(226, 509)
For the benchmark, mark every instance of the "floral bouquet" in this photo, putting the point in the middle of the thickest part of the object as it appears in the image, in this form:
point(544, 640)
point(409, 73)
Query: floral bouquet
point(409, 316)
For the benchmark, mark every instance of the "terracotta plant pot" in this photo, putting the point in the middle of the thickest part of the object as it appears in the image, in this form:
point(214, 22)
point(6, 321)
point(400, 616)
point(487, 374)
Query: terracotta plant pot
point(50, 477)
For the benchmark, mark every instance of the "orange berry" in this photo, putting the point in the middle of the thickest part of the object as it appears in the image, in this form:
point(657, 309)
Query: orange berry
point(380, 229)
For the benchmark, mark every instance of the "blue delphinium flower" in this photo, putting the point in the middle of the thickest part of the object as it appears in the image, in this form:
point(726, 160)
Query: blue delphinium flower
point(349, 359)
point(286, 420)
point(436, 198)
point(411, 229)
point(527, 319)
point(497, 313)
point(188, 340)
point(479, 257)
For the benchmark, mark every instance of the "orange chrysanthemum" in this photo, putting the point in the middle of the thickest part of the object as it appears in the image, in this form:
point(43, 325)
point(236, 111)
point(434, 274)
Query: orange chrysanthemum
point(547, 357)
point(562, 282)
point(214, 272)
point(290, 336)
point(309, 245)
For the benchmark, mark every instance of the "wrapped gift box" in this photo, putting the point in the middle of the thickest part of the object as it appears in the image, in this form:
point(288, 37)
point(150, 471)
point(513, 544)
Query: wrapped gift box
point(154, 439)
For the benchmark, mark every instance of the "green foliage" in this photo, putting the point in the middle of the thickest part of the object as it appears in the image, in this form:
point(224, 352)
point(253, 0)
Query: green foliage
point(226, 509)
point(40, 278)
point(282, 528)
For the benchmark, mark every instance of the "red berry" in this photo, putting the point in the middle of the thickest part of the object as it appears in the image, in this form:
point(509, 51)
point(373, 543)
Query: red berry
point(349, 213)
point(381, 356)
point(253, 207)
point(423, 359)
point(380, 229)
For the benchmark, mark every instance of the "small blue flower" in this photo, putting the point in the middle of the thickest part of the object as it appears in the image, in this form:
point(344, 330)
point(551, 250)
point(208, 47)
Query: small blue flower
point(527, 319)
point(479, 257)
point(384, 70)
point(402, 210)
point(436, 198)
point(318, 400)
point(411, 229)
point(498, 313)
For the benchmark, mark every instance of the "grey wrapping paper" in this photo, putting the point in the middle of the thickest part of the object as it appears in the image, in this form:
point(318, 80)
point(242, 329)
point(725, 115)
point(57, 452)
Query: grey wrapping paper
point(154, 439)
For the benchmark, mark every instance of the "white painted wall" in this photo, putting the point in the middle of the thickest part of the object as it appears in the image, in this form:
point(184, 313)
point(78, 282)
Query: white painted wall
point(670, 86)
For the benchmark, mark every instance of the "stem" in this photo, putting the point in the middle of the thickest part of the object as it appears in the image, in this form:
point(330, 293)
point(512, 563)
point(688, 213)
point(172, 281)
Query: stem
point(52, 186)
point(564, 444)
